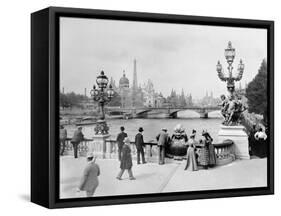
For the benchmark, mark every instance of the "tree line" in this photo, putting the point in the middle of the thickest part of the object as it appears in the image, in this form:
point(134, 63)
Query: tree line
point(256, 93)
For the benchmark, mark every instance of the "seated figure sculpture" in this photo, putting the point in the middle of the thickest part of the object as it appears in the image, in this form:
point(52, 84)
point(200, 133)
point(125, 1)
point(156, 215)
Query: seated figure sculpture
point(232, 110)
point(177, 146)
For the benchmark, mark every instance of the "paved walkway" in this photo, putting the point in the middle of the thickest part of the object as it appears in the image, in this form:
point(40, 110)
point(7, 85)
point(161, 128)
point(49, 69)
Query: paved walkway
point(154, 178)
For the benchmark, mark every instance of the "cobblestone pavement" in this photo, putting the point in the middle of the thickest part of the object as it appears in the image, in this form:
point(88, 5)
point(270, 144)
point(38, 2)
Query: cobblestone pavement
point(154, 178)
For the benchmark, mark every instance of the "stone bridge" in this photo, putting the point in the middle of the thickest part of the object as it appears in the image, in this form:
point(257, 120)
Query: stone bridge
point(168, 112)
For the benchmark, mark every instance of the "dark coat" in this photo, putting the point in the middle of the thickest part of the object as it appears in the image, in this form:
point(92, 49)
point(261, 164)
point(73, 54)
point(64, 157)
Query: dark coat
point(162, 138)
point(139, 141)
point(212, 155)
point(120, 139)
point(211, 148)
point(78, 136)
point(126, 158)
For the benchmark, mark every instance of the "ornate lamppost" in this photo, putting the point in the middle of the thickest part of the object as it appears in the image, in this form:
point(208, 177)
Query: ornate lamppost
point(230, 55)
point(232, 109)
point(102, 95)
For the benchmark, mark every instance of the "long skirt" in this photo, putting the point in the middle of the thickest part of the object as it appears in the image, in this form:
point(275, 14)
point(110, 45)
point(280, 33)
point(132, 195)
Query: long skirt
point(212, 155)
point(191, 163)
point(204, 156)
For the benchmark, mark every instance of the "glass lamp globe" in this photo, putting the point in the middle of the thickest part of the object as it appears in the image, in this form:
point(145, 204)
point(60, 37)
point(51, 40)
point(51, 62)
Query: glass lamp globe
point(102, 80)
point(229, 53)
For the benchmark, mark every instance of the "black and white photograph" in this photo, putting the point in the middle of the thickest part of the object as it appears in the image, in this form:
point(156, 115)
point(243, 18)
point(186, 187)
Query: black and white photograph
point(150, 107)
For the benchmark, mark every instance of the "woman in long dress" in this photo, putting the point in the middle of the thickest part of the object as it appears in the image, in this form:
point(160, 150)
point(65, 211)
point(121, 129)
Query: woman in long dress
point(204, 154)
point(191, 163)
point(211, 148)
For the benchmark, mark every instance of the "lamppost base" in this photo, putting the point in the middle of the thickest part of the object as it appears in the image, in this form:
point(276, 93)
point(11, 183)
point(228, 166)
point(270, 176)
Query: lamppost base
point(101, 127)
point(238, 135)
point(100, 147)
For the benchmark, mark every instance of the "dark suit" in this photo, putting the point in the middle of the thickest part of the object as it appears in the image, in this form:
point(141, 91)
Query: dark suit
point(162, 139)
point(120, 143)
point(76, 139)
point(140, 145)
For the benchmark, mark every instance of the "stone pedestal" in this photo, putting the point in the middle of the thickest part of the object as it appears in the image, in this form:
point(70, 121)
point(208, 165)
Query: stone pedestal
point(238, 135)
point(100, 147)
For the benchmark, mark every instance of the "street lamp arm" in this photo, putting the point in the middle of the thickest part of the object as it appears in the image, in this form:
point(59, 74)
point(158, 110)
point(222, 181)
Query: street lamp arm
point(222, 76)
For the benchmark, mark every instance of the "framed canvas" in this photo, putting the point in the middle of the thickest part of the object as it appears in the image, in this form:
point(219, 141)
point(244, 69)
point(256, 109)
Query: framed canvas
point(132, 107)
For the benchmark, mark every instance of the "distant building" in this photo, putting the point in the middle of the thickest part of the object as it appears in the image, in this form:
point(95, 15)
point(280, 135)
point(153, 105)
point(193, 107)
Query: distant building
point(208, 100)
point(124, 91)
point(135, 95)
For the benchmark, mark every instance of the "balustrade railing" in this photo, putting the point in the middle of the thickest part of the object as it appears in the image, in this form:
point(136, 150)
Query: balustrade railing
point(224, 151)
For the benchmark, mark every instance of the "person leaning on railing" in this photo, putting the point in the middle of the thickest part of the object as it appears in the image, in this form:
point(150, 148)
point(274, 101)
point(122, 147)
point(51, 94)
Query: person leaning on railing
point(78, 136)
point(162, 139)
point(63, 137)
point(140, 146)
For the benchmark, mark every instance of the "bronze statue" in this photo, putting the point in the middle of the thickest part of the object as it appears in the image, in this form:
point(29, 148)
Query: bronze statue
point(232, 109)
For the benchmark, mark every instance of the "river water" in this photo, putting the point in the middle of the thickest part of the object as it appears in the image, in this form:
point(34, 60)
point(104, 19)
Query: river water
point(153, 126)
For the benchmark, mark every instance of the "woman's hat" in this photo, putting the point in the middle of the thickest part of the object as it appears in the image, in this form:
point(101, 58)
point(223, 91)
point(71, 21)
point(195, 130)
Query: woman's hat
point(140, 129)
point(127, 140)
point(193, 131)
point(179, 129)
point(164, 129)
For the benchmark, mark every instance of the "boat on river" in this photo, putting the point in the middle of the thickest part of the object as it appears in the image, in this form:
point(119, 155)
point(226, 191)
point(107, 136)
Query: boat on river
point(86, 121)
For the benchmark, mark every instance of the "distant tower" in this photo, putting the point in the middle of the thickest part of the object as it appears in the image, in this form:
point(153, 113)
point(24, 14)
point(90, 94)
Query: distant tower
point(135, 84)
point(135, 79)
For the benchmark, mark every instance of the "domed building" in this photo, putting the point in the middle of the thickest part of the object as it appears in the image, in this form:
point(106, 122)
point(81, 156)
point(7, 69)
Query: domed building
point(124, 81)
point(133, 95)
point(124, 91)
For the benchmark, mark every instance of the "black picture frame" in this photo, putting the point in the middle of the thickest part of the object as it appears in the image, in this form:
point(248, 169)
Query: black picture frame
point(45, 109)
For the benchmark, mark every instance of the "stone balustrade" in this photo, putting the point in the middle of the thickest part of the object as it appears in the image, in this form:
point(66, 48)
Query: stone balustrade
point(224, 151)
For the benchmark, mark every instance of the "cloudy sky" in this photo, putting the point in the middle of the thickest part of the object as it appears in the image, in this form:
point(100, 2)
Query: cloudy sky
point(171, 55)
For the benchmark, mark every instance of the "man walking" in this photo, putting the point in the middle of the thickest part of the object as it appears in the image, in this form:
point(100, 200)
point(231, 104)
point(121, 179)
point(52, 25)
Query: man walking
point(78, 136)
point(140, 145)
point(126, 162)
point(163, 139)
point(89, 181)
point(63, 136)
point(120, 141)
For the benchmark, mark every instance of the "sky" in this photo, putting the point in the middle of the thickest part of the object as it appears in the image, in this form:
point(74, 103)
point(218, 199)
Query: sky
point(173, 56)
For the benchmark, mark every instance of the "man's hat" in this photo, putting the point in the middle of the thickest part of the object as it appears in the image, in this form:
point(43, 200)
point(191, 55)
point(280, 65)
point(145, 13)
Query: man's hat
point(127, 140)
point(140, 129)
point(164, 129)
point(80, 127)
point(193, 131)
point(90, 155)
point(204, 132)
